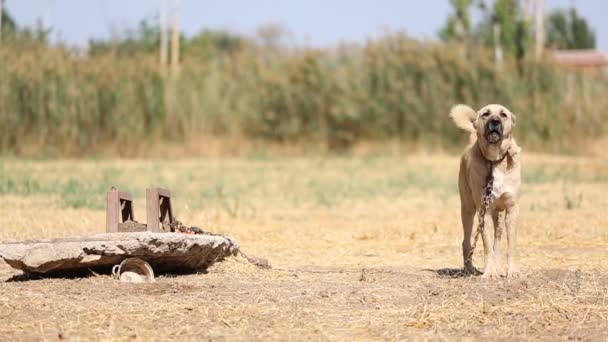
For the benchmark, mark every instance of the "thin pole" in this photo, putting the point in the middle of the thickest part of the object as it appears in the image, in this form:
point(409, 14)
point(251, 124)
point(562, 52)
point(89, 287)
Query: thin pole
point(497, 46)
point(46, 20)
point(163, 37)
point(527, 9)
point(1, 12)
point(540, 29)
point(175, 40)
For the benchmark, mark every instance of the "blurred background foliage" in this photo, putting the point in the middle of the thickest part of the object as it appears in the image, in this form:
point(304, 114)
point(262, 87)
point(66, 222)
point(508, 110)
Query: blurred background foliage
point(75, 101)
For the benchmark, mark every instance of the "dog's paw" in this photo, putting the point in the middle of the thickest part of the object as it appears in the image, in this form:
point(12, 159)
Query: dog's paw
point(490, 275)
point(490, 271)
point(513, 271)
point(471, 270)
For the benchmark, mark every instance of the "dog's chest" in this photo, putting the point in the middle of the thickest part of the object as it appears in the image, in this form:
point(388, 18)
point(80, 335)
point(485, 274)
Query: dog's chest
point(502, 184)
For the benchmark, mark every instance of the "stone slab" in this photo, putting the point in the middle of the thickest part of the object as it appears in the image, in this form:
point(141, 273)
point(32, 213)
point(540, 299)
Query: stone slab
point(166, 252)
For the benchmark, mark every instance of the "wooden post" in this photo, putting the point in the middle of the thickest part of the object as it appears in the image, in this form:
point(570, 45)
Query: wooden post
point(158, 208)
point(119, 208)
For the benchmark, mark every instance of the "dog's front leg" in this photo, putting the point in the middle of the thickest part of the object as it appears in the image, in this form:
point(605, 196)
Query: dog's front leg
point(467, 216)
point(498, 217)
point(490, 270)
point(511, 223)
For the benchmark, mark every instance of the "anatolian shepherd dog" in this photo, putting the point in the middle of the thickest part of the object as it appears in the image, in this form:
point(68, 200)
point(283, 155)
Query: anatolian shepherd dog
point(492, 150)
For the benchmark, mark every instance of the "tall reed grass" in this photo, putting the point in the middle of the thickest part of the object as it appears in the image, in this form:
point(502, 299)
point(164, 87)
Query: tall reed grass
point(389, 88)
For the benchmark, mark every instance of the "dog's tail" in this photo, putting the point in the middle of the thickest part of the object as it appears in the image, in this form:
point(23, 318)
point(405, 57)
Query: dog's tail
point(463, 117)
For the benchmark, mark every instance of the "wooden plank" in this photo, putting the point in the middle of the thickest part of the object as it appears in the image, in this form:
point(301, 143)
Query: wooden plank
point(163, 192)
point(125, 196)
point(119, 209)
point(112, 209)
point(158, 208)
point(153, 210)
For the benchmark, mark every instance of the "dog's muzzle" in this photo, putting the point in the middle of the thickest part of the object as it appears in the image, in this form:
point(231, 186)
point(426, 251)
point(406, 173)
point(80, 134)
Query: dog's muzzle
point(494, 130)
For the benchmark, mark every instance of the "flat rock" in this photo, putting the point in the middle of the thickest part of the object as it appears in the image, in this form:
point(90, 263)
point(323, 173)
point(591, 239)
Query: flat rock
point(165, 252)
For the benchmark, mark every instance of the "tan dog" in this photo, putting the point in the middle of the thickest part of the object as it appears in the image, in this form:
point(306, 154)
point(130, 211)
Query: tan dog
point(492, 148)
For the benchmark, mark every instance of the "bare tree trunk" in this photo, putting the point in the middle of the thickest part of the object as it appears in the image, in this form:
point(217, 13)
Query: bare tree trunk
point(497, 47)
point(461, 36)
point(48, 12)
point(527, 9)
point(539, 29)
point(1, 11)
point(175, 40)
point(163, 37)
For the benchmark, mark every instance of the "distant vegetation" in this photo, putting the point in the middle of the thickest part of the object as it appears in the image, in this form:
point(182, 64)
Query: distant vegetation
point(254, 88)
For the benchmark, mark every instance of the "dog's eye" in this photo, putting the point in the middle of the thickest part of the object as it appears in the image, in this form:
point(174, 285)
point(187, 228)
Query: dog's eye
point(503, 114)
point(485, 115)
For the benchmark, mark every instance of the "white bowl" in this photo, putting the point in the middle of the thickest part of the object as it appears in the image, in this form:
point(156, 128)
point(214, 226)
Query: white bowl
point(133, 270)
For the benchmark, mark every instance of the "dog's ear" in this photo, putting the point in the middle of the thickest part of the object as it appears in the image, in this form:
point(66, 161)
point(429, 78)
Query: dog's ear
point(513, 119)
point(514, 153)
point(474, 119)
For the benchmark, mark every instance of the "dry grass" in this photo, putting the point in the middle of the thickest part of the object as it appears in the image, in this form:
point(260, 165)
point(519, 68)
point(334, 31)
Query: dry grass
point(362, 249)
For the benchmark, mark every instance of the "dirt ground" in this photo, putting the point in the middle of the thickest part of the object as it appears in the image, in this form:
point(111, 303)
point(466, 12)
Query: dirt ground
point(361, 249)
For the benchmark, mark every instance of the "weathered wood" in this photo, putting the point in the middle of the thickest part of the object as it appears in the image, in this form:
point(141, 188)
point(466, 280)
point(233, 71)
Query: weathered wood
point(112, 205)
point(163, 192)
point(152, 210)
point(125, 196)
point(119, 208)
point(158, 208)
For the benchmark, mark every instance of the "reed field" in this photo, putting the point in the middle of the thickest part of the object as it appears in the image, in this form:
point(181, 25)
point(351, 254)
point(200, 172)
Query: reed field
point(364, 247)
point(58, 102)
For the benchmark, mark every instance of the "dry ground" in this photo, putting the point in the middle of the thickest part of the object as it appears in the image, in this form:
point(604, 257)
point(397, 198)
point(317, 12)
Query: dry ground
point(362, 249)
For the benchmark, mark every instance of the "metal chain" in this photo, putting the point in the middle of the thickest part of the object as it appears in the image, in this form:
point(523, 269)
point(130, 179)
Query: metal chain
point(486, 199)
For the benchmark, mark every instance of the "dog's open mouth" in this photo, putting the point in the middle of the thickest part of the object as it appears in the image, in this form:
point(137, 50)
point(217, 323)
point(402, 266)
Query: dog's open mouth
point(493, 136)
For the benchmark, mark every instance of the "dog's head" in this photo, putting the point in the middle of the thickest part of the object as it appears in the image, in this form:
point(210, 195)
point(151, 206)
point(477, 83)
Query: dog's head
point(494, 123)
